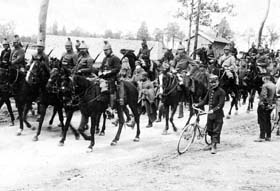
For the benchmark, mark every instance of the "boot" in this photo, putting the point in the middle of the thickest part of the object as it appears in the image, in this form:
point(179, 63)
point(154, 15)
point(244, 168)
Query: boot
point(112, 100)
point(214, 148)
point(121, 93)
point(207, 148)
point(150, 124)
point(181, 110)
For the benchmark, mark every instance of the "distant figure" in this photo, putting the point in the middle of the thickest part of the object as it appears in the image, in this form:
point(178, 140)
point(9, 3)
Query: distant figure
point(5, 55)
point(131, 58)
point(68, 58)
point(266, 49)
point(17, 58)
point(233, 50)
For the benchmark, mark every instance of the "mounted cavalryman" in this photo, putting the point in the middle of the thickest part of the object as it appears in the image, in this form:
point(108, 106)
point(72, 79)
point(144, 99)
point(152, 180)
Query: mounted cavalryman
point(5, 55)
point(17, 58)
point(68, 59)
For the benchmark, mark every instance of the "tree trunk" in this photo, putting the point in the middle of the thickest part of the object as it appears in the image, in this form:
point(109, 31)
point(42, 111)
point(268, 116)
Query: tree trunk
point(262, 24)
point(190, 29)
point(196, 29)
point(43, 21)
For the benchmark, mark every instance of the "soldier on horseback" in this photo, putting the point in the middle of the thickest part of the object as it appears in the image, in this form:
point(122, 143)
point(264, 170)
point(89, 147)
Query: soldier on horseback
point(109, 70)
point(85, 62)
point(227, 61)
point(5, 55)
point(17, 58)
point(41, 57)
point(68, 59)
point(262, 61)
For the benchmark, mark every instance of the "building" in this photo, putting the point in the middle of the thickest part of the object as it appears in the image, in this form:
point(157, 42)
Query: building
point(204, 39)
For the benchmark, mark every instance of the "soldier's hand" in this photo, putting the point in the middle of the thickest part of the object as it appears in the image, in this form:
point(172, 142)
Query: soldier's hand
point(211, 111)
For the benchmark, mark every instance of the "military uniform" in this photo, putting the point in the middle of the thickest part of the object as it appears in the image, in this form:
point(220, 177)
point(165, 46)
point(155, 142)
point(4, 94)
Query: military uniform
point(43, 60)
point(131, 59)
point(216, 100)
point(267, 99)
point(85, 65)
point(5, 58)
point(17, 58)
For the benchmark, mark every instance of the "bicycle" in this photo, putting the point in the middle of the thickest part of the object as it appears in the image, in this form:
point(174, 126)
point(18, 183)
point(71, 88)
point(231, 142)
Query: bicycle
point(189, 133)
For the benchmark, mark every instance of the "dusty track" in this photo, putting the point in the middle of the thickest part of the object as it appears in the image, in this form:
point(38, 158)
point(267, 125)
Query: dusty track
point(151, 164)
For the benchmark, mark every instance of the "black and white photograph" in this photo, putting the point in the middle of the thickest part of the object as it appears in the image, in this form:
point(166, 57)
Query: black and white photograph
point(139, 95)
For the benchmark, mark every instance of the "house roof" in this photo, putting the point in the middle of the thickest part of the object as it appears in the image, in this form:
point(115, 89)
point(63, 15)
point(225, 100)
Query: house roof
point(211, 37)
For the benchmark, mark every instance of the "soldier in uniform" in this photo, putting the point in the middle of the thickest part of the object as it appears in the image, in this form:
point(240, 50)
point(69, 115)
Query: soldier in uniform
point(167, 56)
point(85, 62)
point(266, 49)
point(5, 55)
point(110, 67)
point(267, 100)
point(144, 54)
point(233, 50)
point(215, 98)
point(253, 51)
point(68, 59)
point(5, 86)
point(182, 63)
point(228, 62)
point(17, 58)
point(131, 58)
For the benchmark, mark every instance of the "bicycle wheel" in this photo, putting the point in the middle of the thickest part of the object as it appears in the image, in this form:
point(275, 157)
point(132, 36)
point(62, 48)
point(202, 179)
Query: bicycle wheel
point(186, 138)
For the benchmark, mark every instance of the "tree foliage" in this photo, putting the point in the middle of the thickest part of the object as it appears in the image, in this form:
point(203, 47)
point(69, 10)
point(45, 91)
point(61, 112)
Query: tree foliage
point(223, 29)
point(273, 35)
point(173, 32)
point(158, 34)
point(7, 30)
point(143, 32)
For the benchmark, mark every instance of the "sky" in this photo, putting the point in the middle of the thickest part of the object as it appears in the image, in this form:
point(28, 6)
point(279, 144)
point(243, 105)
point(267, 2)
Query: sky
point(95, 16)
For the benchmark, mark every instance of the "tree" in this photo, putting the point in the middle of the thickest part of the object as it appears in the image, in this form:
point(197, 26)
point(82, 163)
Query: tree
point(143, 32)
point(273, 35)
point(108, 34)
point(129, 36)
point(263, 22)
point(7, 30)
point(55, 28)
point(63, 31)
point(173, 32)
point(158, 35)
point(223, 29)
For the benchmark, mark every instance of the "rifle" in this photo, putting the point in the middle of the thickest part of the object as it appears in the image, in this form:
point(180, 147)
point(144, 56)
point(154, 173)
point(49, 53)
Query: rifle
point(97, 56)
point(26, 48)
point(50, 52)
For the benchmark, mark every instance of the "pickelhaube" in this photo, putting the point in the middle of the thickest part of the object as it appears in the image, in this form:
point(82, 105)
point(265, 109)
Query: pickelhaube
point(68, 42)
point(40, 43)
point(83, 45)
point(227, 47)
point(180, 47)
point(5, 42)
point(16, 39)
point(107, 45)
point(213, 77)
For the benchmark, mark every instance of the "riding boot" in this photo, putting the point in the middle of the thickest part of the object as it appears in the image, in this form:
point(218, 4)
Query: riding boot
point(112, 100)
point(121, 93)
point(181, 110)
point(214, 148)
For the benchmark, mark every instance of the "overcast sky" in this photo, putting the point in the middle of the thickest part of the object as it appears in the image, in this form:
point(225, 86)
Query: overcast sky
point(96, 16)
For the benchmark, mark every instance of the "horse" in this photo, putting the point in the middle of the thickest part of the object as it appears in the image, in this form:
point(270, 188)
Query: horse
point(170, 97)
point(228, 83)
point(93, 102)
point(5, 93)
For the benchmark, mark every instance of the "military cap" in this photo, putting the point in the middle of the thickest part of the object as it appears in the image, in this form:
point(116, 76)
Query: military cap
point(5, 42)
point(68, 42)
point(106, 45)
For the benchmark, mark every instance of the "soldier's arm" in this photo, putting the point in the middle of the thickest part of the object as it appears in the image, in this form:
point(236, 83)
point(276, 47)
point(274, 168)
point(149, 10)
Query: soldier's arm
point(204, 101)
point(20, 57)
point(221, 101)
point(117, 66)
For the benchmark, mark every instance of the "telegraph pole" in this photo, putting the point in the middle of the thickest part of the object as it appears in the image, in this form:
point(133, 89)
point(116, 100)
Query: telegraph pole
point(196, 28)
point(190, 27)
point(43, 21)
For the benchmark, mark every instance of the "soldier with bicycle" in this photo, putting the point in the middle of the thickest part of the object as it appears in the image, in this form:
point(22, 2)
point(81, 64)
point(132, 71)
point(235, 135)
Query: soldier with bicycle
point(215, 98)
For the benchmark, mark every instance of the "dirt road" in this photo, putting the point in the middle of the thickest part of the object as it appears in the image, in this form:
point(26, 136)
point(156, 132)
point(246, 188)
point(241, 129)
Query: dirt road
point(152, 164)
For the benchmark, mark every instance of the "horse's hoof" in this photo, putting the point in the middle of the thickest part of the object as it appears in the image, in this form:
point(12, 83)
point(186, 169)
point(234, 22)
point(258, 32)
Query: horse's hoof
point(164, 132)
point(33, 128)
point(175, 129)
point(136, 139)
point(12, 124)
point(19, 132)
point(97, 131)
point(228, 117)
point(35, 138)
point(158, 120)
point(113, 143)
point(77, 137)
point(60, 144)
point(102, 134)
point(89, 150)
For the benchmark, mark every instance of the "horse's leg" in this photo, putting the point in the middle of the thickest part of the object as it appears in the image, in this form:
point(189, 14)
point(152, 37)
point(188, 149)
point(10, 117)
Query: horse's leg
point(43, 109)
point(60, 116)
point(53, 115)
point(20, 108)
point(81, 129)
point(69, 115)
point(94, 116)
point(181, 110)
point(126, 112)
point(102, 133)
point(121, 122)
point(166, 120)
point(98, 117)
point(173, 109)
point(24, 117)
point(191, 112)
point(250, 100)
point(136, 114)
point(10, 110)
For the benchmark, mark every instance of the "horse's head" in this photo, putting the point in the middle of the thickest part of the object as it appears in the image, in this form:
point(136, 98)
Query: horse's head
point(53, 82)
point(33, 74)
point(54, 63)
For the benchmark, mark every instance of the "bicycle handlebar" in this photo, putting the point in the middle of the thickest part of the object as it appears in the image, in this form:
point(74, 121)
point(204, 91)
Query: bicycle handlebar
point(200, 111)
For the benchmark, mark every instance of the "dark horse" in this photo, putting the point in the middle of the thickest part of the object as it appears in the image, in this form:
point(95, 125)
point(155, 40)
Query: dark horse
point(93, 102)
point(229, 85)
point(5, 92)
point(170, 97)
